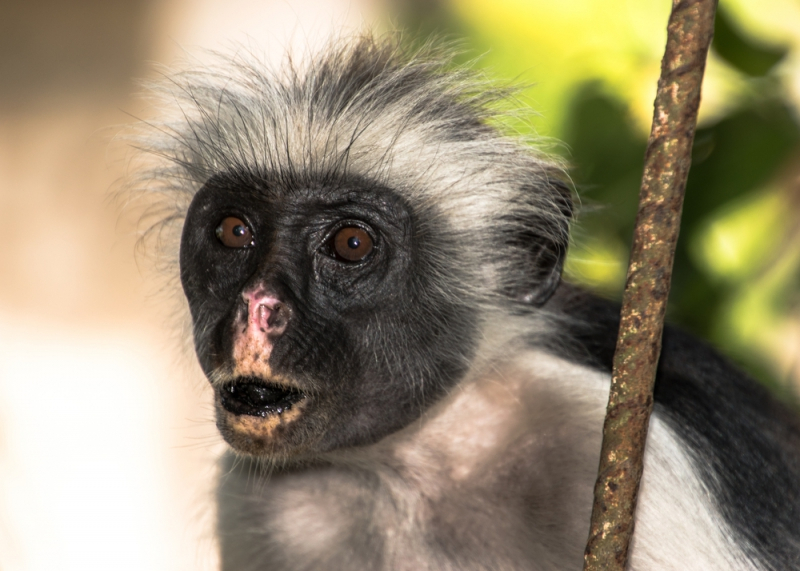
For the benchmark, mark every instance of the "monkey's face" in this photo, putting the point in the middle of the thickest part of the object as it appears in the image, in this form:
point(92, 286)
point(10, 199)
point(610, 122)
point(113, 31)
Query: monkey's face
point(316, 318)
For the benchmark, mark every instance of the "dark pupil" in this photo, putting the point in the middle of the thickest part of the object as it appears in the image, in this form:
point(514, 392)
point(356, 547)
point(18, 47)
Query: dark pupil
point(353, 242)
point(239, 230)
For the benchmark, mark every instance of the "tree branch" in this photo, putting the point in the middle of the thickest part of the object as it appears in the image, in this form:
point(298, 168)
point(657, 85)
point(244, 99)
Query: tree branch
point(667, 160)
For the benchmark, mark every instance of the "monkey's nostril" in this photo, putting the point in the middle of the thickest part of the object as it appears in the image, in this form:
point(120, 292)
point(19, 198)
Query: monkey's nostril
point(278, 317)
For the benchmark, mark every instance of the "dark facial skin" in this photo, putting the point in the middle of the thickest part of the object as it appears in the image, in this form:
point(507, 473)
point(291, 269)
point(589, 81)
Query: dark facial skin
point(313, 316)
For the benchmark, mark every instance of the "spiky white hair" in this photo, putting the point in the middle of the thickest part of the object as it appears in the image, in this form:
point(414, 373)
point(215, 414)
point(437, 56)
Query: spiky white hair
point(373, 109)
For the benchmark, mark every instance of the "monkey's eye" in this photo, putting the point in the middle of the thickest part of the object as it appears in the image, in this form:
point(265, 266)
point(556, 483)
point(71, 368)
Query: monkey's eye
point(352, 244)
point(234, 233)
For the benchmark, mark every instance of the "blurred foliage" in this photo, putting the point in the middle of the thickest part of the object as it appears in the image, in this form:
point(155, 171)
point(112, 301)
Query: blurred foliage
point(740, 51)
point(596, 65)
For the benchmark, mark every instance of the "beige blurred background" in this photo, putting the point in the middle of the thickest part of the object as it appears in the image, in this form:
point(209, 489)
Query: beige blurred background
point(107, 442)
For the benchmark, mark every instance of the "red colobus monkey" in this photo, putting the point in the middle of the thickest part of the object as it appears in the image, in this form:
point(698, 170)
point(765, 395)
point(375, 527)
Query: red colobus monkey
point(373, 270)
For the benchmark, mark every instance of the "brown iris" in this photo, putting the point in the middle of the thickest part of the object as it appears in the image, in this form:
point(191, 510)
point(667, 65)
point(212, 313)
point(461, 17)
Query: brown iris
point(234, 233)
point(352, 243)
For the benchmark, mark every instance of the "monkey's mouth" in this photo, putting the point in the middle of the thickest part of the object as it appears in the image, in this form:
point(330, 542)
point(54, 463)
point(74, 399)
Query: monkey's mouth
point(253, 396)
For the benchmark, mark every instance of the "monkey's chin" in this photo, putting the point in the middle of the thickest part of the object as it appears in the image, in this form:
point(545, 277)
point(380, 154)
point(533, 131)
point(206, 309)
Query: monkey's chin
point(257, 416)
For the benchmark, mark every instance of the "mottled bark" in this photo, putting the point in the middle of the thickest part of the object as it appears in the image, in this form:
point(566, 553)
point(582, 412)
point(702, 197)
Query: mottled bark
point(667, 161)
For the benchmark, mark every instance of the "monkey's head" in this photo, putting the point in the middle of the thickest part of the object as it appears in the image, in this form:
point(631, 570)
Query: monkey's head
point(351, 228)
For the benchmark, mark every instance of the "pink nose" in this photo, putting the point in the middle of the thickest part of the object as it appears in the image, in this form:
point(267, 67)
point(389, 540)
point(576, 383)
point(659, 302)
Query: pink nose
point(265, 312)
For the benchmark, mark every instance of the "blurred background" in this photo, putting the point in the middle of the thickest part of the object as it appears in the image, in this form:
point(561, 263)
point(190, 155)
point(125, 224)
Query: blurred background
point(107, 442)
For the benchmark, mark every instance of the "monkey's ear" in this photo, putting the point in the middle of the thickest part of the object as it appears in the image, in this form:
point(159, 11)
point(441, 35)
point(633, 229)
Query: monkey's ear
point(540, 246)
point(538, 294)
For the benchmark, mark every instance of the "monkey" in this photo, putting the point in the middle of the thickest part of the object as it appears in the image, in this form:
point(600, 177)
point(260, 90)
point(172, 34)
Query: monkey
point(373, 269)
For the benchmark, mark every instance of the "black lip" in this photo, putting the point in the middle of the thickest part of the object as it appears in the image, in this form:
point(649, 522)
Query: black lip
point(256, 397)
